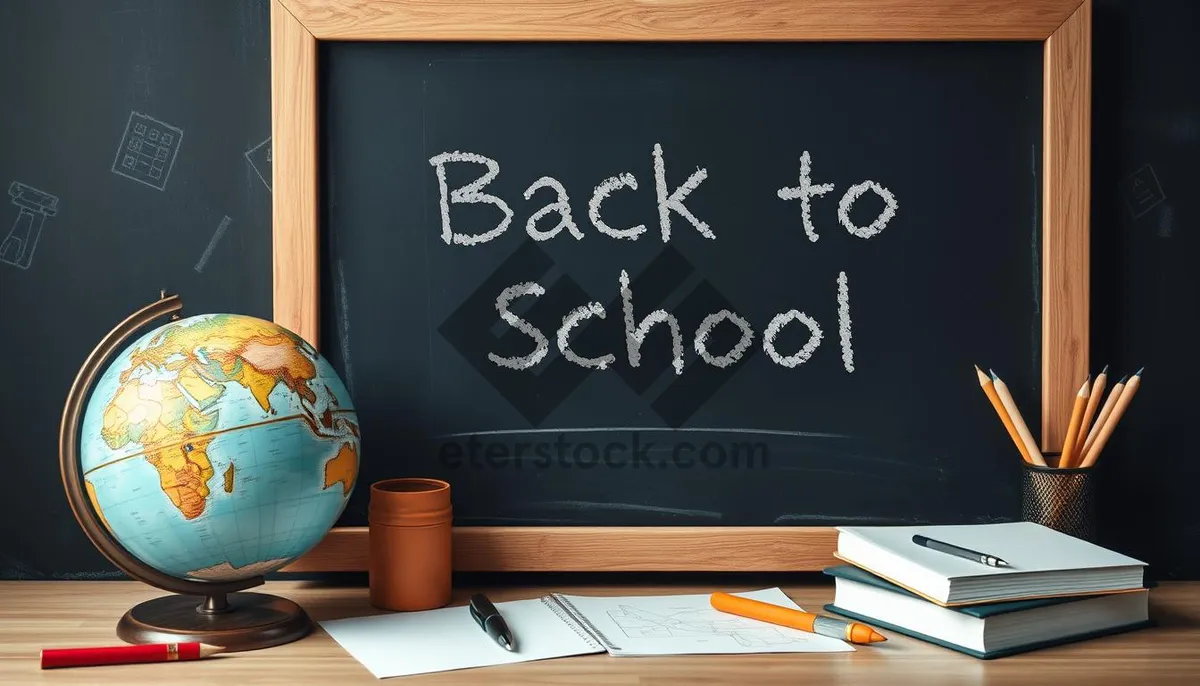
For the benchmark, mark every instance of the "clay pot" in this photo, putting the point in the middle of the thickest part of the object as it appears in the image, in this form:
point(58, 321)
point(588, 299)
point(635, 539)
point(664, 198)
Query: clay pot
point(409, 523)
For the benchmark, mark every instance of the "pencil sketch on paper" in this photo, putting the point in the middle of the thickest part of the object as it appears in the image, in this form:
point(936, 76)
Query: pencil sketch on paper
point(259, 158)
point(22, 239)
point(689, 622)
point(147, 151)
point(212, 243)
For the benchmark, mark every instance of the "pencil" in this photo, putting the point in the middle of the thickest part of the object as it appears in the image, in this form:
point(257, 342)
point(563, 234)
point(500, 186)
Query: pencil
point(1035, 453)
point(1090, 412)
point(989, 389)
point(1107, 430)
point(1109, 404)
point(1081, 401)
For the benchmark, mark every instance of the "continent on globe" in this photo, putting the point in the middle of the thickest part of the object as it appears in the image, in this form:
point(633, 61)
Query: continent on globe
point(277, 358)
point(154, 411)
point(184, 472)
point(229, 478)
point(227, 572)
point(342, 468)
point(91, 494)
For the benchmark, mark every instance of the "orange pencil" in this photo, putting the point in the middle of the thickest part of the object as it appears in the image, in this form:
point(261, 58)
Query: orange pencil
point(1081, 401)
point(796, 619)
point(1110, 425)
point(1089, 413)
point(1035, 453)
point(1109, 404)
point(989, 389)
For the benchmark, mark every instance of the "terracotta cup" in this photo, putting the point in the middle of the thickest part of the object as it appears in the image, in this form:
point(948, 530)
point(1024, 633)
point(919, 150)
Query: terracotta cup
point(409, 530)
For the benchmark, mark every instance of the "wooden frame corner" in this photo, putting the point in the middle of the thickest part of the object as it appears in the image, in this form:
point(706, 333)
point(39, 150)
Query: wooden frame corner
point(1065, 27)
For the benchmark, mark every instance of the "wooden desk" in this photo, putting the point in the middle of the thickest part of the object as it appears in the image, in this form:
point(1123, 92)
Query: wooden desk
point(38, 614)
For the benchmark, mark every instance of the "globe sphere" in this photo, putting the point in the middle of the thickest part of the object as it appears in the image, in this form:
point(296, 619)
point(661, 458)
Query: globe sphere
point(219, 447)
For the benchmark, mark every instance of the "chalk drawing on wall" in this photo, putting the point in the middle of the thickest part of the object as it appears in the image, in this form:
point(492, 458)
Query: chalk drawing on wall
point(148, 150)
point(34, 206)
point(259, 158)
point(1142, 191)
point(212, 243)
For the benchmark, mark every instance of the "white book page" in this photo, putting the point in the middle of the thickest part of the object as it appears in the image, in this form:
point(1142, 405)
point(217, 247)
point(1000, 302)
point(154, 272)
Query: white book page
point(688, 624)
point(406, 643)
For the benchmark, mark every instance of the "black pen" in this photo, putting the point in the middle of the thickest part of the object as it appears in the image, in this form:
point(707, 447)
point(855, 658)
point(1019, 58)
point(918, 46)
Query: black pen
point(965, 553)
point(489, 619)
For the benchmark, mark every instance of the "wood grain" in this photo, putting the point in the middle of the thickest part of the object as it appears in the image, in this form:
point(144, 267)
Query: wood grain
point(710, 20)
point(60, 614)
point(294, 195)
point(603, 549)
point(1066, 199)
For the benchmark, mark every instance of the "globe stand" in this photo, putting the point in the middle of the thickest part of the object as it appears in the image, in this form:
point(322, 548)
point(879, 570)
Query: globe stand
point(236, 621)
point(216, 613)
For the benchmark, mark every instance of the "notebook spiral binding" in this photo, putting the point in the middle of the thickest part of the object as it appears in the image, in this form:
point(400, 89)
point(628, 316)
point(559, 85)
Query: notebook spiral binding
point(566, 611)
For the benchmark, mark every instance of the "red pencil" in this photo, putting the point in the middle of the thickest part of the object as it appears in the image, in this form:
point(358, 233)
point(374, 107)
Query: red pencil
point(125, 655)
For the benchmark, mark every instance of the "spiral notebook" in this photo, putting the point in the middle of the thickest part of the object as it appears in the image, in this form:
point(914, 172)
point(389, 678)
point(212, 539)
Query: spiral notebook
point(558, 625)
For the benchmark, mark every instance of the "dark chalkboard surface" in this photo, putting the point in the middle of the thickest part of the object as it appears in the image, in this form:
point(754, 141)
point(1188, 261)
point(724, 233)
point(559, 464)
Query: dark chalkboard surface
point(146, 122)
point(847, 394)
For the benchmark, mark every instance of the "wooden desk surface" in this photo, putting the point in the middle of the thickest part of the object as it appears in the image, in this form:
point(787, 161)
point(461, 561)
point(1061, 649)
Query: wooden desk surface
point(45, 614)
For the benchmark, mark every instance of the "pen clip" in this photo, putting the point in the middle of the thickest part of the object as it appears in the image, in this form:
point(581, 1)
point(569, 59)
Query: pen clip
point(475, 613)
point(480, 607)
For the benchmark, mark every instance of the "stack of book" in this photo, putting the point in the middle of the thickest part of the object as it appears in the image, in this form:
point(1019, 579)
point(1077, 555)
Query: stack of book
point(1046, 589)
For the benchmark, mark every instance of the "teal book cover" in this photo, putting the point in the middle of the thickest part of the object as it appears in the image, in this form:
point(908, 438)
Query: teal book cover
point(981, 611)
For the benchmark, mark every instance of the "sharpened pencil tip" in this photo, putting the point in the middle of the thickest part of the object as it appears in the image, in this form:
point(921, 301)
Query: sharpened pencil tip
point(1105, 370)
point(1139, 372)
point(993, 374)
point(1123, 378)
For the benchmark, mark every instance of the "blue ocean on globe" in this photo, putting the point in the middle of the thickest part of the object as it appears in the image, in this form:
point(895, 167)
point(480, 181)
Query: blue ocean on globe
point(219, 447)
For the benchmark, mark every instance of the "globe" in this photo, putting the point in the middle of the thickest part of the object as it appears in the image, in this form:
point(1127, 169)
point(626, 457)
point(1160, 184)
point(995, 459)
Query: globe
point(218, 447)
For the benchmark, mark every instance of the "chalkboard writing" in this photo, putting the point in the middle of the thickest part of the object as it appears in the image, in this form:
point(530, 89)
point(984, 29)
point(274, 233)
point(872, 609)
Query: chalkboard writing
point(668, 203)
point(686, 284)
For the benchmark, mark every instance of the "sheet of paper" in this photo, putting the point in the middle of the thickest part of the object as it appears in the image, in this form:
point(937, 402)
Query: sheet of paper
point(406, 643)
point(688, 624)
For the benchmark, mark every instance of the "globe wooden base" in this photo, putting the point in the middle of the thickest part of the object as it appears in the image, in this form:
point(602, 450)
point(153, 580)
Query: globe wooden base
point(237, 621)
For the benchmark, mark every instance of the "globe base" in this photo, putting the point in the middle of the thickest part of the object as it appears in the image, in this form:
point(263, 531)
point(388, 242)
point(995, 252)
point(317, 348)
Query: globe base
point(234, 621)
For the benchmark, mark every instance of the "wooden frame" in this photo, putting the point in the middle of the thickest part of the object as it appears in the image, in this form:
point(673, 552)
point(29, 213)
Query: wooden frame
point(1065, 27)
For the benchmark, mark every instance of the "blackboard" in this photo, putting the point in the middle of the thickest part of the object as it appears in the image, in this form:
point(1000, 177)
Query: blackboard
point(144, 171)
point(919, 258)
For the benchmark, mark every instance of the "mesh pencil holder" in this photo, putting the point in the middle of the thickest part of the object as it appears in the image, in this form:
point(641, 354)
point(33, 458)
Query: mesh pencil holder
point(1062, 499)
